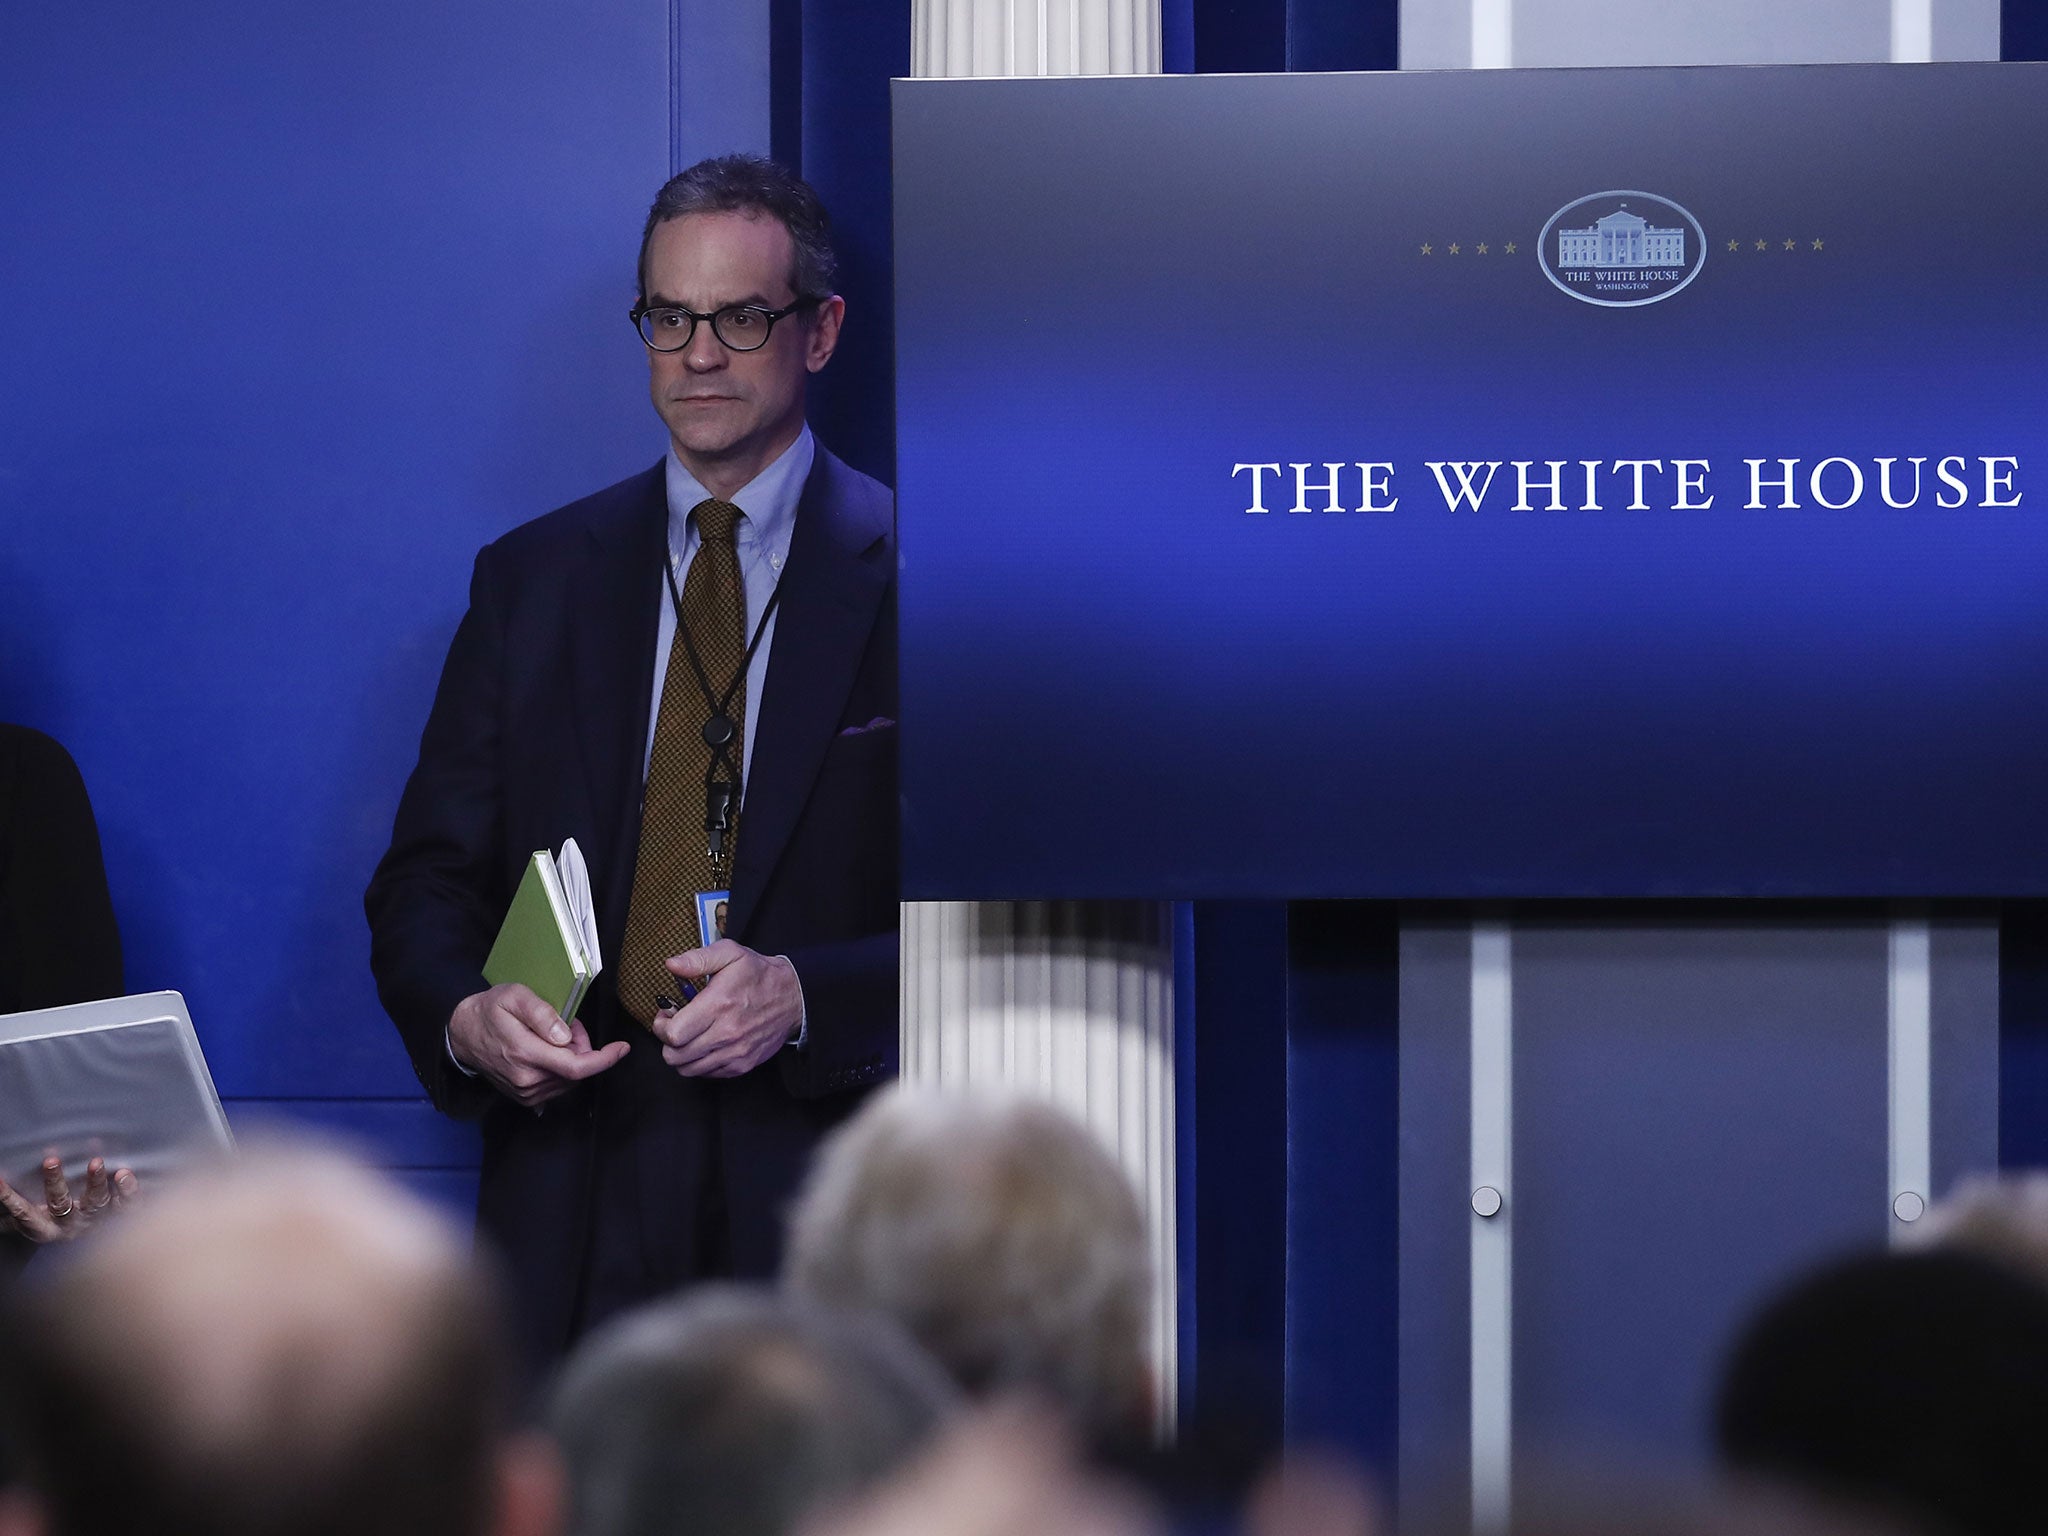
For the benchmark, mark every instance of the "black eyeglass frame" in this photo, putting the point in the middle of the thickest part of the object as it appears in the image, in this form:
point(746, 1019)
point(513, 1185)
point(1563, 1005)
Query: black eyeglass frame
point(640, 312)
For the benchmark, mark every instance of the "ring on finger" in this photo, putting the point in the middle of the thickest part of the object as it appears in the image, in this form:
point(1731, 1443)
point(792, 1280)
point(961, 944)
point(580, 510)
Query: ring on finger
point(65, 1210)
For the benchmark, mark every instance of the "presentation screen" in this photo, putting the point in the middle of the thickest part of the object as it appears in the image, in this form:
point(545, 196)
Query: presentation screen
point(1479, 484)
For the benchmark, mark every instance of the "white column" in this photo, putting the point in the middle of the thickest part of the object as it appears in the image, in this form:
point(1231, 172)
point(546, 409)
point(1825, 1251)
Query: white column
point(1493, 1224)
point(1909, 1030)
point(1493, 34)
point(1034, 37)
point(1072, 1000)
point(1912, 31)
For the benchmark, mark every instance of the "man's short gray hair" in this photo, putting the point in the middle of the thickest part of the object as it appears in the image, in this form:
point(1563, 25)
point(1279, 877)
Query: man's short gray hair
point(738, 1412)
point(1000, 1233)
point(757, 187)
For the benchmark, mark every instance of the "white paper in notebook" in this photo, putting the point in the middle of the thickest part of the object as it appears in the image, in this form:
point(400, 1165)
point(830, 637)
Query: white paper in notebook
point(575, 877)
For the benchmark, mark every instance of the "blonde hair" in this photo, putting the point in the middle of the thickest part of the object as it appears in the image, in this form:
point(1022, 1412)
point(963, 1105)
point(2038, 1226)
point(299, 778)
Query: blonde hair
point(1000, 1234)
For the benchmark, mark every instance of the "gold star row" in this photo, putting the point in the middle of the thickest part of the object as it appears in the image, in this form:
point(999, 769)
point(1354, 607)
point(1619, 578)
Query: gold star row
point(1455, 248)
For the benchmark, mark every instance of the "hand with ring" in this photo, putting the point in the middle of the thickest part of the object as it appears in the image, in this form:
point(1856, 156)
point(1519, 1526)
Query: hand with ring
point(57, 1217)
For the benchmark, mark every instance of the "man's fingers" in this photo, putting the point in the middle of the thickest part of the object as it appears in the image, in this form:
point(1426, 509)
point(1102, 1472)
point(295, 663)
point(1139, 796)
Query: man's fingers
point(554, 1083)
point(30, 1220)
point(543, 1023)
point(688, 1023)
point(99, 1193)
point(540, 1061)
point(126, 1187)
point(56, 1188)
point(684, 1060)
point(723, 1058)
point(536, 1054)
point(706, 961)
point(590, 1063)
point(534, 1014)
point(701, 1046)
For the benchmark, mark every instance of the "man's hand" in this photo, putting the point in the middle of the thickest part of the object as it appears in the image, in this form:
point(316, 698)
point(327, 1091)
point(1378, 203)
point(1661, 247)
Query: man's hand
point(523, 1046)
point(745, 1010)
point(57, 1218)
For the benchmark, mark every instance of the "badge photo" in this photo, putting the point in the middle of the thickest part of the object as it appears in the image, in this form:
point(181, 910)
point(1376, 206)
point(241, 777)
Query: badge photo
point(711, 910)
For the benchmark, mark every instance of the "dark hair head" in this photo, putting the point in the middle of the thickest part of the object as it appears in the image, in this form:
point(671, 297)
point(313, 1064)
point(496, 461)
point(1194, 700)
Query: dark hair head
point(736, 1411)
point(756, 186)
point(1916, 1383)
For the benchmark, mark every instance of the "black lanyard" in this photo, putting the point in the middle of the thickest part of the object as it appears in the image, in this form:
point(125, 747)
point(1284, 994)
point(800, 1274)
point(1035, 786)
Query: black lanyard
point(720, 731)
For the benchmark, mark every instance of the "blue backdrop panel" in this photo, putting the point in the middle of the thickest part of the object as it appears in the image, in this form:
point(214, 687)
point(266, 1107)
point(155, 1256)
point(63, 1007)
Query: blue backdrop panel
point(302, 305)
point(1343, 1194)
point(851, 49)
point(1699, 1112)
point(1233, 1081)
point(1289, 1108)
point(1158, 693)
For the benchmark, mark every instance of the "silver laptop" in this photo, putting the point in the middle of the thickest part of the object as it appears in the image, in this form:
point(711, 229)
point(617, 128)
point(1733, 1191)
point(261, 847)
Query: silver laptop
point(122, 1079)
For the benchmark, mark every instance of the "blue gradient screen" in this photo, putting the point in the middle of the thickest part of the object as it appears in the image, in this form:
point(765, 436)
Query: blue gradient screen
point(1481, 484)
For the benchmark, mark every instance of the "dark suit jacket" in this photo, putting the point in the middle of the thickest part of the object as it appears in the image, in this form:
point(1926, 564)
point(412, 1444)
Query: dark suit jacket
point(58, 940)
point(59, 943)
point(640, 1179)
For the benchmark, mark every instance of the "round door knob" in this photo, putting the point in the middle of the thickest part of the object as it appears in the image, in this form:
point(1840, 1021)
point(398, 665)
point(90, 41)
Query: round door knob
point(1908, 1207)
point(1486, 1201)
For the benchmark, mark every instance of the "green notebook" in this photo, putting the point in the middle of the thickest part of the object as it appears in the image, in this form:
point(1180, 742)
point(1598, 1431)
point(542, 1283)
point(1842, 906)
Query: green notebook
point(549, 937)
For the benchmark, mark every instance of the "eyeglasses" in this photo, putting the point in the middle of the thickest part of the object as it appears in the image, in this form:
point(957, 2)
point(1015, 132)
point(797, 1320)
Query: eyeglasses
point(742, 327)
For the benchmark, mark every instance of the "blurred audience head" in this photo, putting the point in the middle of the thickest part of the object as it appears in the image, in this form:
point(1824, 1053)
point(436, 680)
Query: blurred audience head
point(1313, 1493)
point(1630, 1499)
point(2002, 1217)
point(1011, 1469)
point(1910, 1384)
point(291, 1344)
point(738, 1413)
point(1000, 1233)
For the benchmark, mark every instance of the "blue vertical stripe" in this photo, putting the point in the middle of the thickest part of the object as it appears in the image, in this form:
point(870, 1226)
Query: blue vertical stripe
point(2023, 30)
point(2023, 1035)
point(1236, 37)
point(1343, 1186)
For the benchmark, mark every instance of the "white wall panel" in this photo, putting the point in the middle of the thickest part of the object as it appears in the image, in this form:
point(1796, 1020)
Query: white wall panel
point(1442, 34)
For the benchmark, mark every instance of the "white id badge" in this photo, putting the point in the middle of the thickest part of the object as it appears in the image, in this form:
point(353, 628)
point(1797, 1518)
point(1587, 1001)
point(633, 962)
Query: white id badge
point(711, 908)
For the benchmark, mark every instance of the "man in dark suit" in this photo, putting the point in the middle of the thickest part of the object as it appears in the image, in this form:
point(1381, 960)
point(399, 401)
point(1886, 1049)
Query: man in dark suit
point(692, 673)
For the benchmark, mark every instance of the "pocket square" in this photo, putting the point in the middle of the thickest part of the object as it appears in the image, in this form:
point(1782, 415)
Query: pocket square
point(879, 723)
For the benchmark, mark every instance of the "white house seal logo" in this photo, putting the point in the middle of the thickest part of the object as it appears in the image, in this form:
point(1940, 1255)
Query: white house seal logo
point(1622, 249)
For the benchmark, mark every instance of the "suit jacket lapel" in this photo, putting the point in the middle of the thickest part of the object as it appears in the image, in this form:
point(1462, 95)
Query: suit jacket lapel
point(831, 591)
point(613, 624)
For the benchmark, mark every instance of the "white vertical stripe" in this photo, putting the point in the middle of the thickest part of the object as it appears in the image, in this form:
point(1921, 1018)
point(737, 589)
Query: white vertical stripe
point(1493, 34)
point(960, 37)
point(1043, 37)
point(986, 57)
point(956, 1026)
point(1910, 1027)
point(1492, 1252)
point(1912, 31)
point(1070, 1000)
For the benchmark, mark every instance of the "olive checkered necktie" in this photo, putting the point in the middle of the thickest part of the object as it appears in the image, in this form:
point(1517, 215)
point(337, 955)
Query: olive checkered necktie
point(675, 862)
